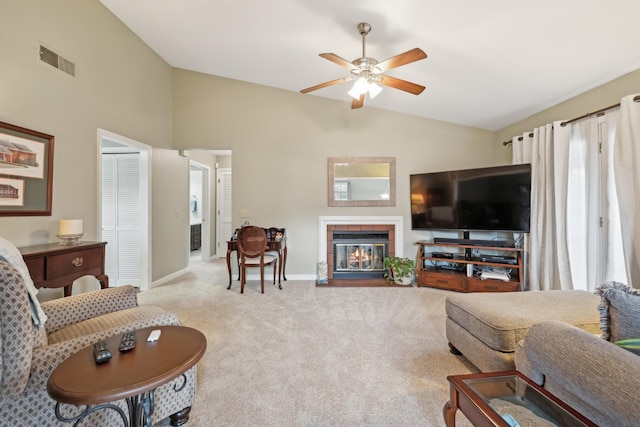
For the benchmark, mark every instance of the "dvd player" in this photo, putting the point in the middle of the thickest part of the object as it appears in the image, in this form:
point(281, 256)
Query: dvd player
point(498, 259)
point(472, 242)
point(446, 255)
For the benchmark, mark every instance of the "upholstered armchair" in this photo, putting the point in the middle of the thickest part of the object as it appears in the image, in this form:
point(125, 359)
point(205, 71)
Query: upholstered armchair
point(29, 354)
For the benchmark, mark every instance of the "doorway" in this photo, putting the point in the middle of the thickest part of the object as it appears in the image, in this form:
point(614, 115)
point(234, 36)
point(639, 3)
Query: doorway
point(124, 215)
point(199, 211)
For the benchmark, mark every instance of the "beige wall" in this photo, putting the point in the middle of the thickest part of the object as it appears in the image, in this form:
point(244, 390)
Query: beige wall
point(120, 85)
point(593, 100)
point(281, 141)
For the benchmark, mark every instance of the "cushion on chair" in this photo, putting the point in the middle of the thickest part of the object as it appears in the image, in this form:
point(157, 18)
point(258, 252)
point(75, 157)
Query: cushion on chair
point(16, 339)
point(38, 337)
point(133, 318)
point(11, 254)
point(63, 312)
point(256, 261)
point(501, 320)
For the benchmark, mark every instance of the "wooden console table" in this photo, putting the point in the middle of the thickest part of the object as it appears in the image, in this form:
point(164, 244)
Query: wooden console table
point(53, 265)
point(458, 280)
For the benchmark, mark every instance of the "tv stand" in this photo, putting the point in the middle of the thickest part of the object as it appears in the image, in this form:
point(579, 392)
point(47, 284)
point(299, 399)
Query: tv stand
point(456, 279)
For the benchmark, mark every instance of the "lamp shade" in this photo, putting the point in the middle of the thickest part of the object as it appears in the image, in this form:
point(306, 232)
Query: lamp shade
point(362, 86)
point(359, 87)
point(374, 90)
point(70, 227)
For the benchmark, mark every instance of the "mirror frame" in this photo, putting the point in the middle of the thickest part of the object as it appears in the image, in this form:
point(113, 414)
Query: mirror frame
point(362, 160)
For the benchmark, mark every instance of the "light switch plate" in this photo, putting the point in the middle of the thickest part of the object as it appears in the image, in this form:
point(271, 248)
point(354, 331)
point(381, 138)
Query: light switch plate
point(245, 213)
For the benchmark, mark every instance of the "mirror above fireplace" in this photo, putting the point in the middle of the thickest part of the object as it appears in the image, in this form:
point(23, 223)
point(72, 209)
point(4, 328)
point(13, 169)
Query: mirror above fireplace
point(362, 181)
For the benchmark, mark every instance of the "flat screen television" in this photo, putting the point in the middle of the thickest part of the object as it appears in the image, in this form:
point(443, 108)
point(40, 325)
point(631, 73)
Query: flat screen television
point(485, 199)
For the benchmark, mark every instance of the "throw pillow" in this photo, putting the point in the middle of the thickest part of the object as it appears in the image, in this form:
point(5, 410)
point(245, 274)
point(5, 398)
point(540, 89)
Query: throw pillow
point(619, 311)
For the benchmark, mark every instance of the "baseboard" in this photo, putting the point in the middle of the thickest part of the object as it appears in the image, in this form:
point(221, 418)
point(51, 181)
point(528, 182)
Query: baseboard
point(268, 276)
point(168, 278)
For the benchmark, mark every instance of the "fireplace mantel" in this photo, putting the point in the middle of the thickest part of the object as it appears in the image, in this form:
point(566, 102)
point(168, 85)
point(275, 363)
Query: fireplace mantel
point(324, 221)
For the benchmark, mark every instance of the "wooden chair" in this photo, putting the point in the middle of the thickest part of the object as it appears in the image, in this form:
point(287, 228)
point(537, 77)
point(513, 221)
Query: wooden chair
point(252, 244)
point(278, 234)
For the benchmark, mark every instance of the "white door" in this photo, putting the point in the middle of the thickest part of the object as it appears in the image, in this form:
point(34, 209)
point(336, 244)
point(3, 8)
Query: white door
point(125, 217)
point(223, 210)
point(120, 217)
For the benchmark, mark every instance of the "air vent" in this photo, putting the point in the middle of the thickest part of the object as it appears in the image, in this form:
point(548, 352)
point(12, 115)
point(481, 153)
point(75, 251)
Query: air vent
point(50, 57)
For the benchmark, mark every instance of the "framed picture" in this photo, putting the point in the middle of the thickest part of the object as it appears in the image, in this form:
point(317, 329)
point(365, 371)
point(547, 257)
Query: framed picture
point(11, 192)
point(26, 171)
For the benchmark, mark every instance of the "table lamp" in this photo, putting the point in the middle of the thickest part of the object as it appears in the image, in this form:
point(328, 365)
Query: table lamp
point(70, 231)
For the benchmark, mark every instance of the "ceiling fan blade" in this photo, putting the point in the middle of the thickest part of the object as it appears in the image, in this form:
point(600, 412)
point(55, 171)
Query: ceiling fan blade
point(402, 59)
point(357, 103)
point(338, 60)
point(323, 85)
point(402, 85)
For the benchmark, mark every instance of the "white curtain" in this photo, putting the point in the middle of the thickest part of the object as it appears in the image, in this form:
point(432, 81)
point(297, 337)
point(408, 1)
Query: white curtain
point(547, 254)
point(589, 228)
point(627, 176)
point(575, 240)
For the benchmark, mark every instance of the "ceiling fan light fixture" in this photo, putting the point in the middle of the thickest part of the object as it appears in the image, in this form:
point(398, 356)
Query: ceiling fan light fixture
point(361, 86)
point(368, 73)
point(374, 90)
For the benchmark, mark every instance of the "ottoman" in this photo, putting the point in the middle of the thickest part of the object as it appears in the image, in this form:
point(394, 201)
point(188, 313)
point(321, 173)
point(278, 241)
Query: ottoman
point(486, 327)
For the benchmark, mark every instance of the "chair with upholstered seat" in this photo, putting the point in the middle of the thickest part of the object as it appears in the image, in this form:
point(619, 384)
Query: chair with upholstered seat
point(252, 244)
point(35, 338)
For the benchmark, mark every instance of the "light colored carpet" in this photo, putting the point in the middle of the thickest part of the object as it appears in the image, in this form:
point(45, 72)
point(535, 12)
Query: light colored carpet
point(307, 356)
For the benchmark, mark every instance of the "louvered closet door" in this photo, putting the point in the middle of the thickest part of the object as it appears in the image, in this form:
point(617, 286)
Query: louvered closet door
point(224, 210)
point(121, 217)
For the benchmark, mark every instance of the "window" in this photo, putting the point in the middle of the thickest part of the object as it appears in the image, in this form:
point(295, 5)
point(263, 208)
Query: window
point(341, 190)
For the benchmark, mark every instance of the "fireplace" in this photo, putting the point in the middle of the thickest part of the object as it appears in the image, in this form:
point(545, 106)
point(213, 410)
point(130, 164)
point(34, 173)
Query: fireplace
point(330, 225)
point(359, 254)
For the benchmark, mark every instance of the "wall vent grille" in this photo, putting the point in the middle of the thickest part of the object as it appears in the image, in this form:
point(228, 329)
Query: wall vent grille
point(50, 57)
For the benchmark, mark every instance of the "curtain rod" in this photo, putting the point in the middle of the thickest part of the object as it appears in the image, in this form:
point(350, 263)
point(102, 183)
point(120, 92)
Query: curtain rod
point(584, 116)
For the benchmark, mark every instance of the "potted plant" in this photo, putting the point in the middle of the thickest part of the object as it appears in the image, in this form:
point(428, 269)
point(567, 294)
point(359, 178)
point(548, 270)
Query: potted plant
point(399, 270)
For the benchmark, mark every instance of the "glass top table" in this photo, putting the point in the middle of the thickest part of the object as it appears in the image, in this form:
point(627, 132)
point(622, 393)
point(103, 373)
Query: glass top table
point(507, 399)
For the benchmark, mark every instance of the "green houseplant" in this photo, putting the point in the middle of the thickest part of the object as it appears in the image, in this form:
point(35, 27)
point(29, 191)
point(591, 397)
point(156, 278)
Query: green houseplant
point(629, 343)
point(399, 269)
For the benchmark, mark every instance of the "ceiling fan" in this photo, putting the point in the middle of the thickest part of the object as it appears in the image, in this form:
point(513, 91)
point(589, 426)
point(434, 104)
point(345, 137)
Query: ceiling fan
point(367, 72)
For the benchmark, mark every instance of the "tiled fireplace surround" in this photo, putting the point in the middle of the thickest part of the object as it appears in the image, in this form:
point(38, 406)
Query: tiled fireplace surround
point(327, 225)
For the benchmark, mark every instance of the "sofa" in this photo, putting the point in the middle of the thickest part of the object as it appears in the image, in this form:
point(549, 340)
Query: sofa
point(29, 353)
point(595, 377)
point(588, 371)
point(562, 340)
point(486, 327)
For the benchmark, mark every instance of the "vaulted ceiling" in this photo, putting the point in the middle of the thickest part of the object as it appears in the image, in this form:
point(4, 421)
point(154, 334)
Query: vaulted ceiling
point(490, 63)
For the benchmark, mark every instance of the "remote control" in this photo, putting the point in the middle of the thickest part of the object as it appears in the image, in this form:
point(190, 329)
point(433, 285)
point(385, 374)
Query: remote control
point(154, 335)
point(101, 352)
point(128, 341)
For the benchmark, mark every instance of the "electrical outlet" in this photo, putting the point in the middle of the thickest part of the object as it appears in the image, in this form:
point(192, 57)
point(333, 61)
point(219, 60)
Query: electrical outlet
point(245, 213)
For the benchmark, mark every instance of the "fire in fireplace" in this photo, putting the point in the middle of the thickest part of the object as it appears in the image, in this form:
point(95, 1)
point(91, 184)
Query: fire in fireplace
point(359, 254)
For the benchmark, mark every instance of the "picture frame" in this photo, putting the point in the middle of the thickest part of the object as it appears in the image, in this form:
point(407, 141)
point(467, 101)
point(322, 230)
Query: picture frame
point(26, 171)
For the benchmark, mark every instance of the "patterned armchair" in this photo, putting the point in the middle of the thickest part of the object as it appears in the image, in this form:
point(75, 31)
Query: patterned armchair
point(29, 354)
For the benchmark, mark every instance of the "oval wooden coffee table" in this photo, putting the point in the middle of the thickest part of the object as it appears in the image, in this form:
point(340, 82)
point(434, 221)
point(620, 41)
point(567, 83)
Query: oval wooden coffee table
point(132, 375)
